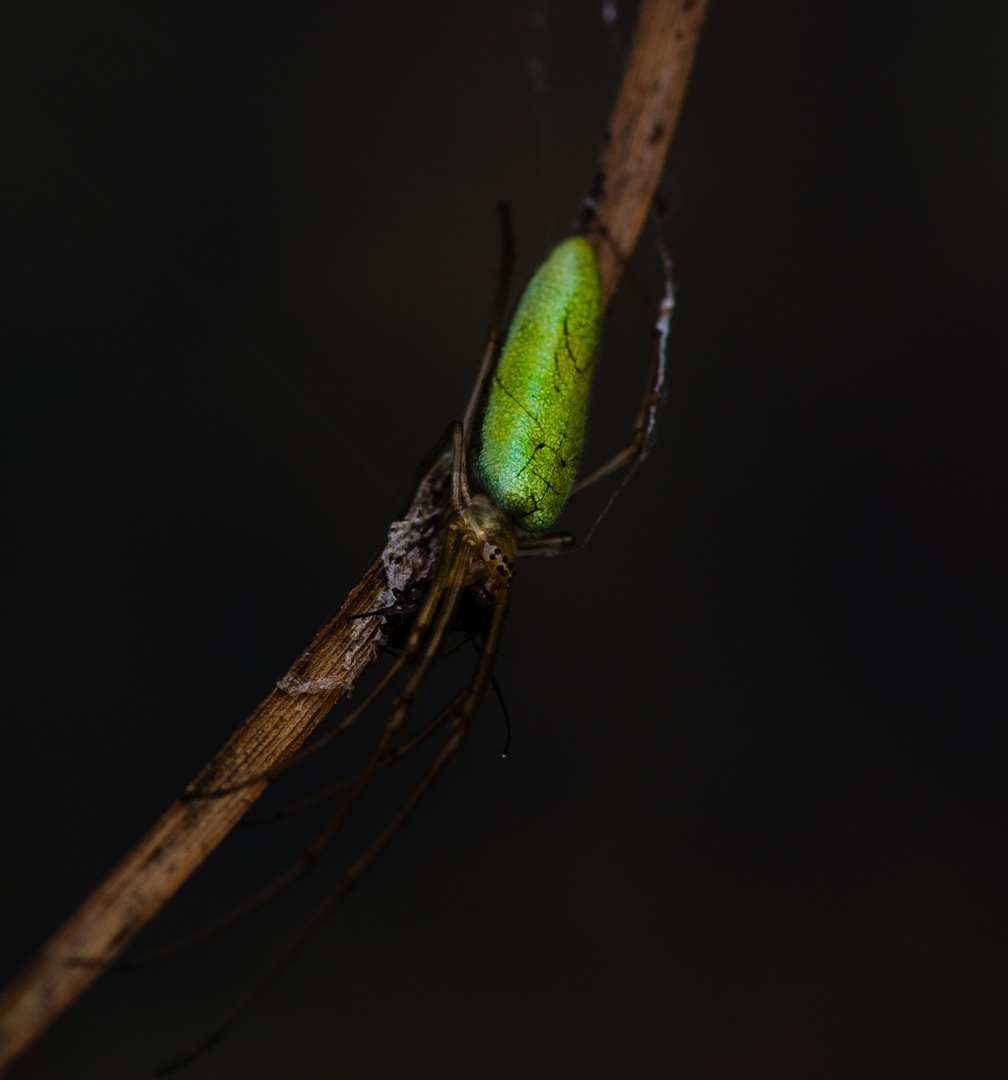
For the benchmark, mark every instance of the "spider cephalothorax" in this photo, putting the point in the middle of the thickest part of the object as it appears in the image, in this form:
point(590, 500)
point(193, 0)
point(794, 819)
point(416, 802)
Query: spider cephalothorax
point(493, 534)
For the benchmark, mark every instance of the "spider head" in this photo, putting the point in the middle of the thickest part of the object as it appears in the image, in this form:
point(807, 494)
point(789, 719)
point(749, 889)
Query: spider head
point(493, 536)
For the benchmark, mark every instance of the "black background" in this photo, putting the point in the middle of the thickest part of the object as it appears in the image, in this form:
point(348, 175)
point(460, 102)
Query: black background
point(752, 820)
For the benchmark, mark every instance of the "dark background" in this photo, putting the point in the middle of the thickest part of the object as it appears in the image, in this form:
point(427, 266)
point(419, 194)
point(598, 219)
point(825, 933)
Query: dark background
point(752, 823)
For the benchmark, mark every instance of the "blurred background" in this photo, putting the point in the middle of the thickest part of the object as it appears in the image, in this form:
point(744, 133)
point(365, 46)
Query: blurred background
point(752, 820)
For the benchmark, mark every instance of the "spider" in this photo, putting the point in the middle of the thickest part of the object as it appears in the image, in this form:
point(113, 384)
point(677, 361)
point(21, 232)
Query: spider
point(508, 480)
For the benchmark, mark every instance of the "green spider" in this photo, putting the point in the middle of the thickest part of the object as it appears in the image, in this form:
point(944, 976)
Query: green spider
point(508, 483)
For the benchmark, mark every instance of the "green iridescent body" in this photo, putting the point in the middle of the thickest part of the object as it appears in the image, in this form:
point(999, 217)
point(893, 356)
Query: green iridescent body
point(535, 414)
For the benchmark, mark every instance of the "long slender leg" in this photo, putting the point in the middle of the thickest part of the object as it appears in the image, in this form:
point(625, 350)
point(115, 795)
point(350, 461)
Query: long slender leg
point(397, 753)
point(490, 350)
point(456, 585)
point(460, 482)
point(428, 609)
point(456, 575)
point(493, 335)
point(451, 746)
point(531, 547)
point(645, 426)
point(423, 621)
point(488, 654)
point(322, 741)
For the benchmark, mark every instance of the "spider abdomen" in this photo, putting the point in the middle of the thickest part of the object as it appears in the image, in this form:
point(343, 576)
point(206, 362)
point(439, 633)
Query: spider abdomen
point(535, 415)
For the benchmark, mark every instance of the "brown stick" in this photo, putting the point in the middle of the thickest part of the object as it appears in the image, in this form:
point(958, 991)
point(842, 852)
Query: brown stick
point(643, 120)
point(642, 124)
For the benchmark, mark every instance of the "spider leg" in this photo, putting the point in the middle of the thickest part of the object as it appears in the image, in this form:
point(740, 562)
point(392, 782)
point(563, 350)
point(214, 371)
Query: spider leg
point(645, 426)
point(395, 754)
point(451, 578)
point(322, 741)
point(422, 622)
point(460, 496)
point(460, 729)
point(461, 643)
point(492, 346)
point(532, 547)
point(453, 574)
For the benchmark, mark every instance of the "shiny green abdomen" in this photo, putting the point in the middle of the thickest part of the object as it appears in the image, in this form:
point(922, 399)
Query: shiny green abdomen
point(535, 415)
